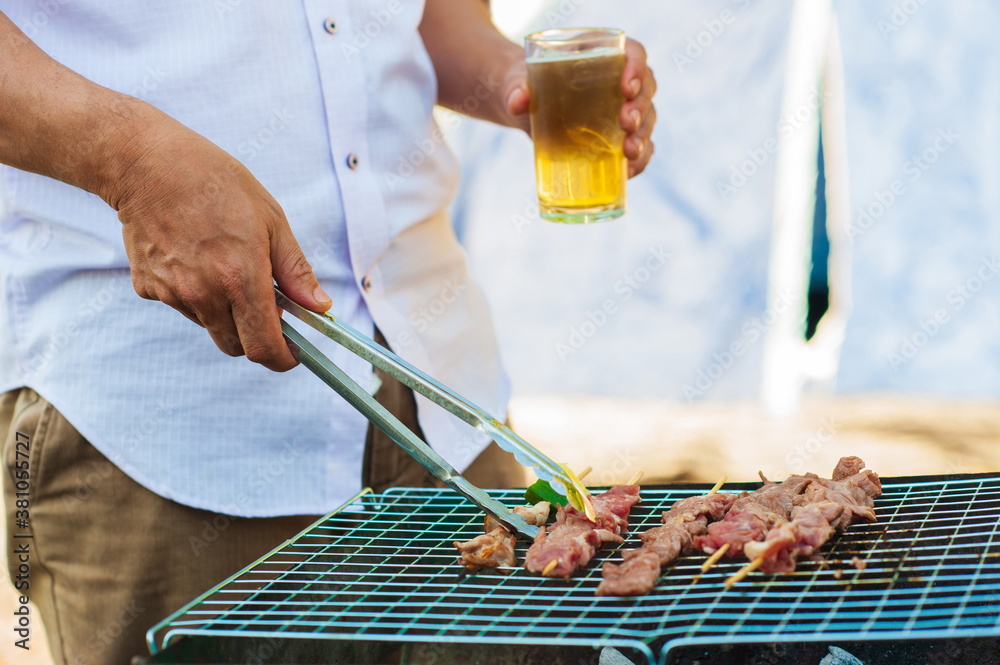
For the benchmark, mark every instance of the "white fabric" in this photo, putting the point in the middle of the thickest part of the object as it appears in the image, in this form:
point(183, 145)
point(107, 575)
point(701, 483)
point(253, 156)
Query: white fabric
point(292, 90)
point(922, 98)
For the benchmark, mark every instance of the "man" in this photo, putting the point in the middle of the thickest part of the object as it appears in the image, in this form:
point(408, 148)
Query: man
point(240, 144)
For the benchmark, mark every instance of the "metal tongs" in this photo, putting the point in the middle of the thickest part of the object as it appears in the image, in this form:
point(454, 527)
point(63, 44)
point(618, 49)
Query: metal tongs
point(558, 475)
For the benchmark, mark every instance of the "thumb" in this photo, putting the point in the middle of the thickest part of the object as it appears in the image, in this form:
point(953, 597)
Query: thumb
point(294, 275)
point(517, 98)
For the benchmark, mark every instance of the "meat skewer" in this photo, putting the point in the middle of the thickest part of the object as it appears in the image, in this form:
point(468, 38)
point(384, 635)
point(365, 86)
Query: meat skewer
point(714, 558)
point(824, 508)
point(752, 515)
point(773, 525)
point(573, 539)
point(801, 500)
point(495, 548)
point(661, 545)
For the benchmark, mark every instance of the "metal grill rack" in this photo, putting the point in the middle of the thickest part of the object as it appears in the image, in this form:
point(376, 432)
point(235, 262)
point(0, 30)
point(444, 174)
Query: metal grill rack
point(388, 573)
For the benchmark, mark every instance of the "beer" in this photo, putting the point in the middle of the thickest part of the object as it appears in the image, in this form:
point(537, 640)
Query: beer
point(575, 102)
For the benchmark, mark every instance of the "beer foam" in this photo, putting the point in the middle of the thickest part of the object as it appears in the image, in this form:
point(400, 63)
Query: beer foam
point(554, 56)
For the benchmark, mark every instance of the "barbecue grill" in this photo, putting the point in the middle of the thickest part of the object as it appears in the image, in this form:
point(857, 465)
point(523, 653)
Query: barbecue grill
point(382, 571)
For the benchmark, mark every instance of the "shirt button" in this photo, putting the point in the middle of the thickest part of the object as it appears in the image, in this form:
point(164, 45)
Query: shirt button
point(330, 25)
point(366, 283)
point(353, 161)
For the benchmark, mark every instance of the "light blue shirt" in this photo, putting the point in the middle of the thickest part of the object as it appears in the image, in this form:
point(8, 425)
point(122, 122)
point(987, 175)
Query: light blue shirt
point(329, 105)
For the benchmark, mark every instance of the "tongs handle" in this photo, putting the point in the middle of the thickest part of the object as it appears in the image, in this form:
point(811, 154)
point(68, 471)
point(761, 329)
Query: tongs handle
point(346, 387)
point(443, 396)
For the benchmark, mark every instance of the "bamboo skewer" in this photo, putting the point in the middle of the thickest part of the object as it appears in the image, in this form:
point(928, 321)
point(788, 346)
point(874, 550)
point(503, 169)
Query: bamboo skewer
point(719, 553)
point(745, 570)
point(718, 485)
point(712, 560)
point(550, 566)
point(583, 473)
point(636, 477)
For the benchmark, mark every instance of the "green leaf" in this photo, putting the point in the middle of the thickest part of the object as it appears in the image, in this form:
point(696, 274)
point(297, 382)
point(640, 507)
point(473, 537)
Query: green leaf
point(540, 490)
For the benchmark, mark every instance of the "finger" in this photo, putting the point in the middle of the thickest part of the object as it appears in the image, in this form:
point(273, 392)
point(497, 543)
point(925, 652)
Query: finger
point(214, 316)
point(636, 141)
point(639, 147)
point(633, 112)
point(142, 287)
point(637, 166)
point(292, 272)
point(222, 329)
point(257, 320)
point(193, 318)
point(145, 289)
point(518, 99)
point(635, 69)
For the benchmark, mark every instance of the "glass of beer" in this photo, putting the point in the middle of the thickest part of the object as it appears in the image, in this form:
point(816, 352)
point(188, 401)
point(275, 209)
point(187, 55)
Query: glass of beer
point(574, 81)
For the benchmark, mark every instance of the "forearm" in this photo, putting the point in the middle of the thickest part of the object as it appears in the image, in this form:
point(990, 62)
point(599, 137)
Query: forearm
point(473, 61)
point(56, 123)
point(212, 255)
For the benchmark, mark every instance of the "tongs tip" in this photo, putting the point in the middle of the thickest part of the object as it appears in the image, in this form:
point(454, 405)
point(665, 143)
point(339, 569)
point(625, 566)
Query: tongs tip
point(578, 494)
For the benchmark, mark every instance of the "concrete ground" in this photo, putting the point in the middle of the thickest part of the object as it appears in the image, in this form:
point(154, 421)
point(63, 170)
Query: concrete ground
point(673, 442)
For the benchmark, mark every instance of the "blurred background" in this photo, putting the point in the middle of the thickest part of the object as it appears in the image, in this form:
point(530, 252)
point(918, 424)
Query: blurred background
point(806, 268)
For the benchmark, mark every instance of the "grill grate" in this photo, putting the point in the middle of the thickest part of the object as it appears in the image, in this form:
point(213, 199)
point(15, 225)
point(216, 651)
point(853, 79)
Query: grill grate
point(389, 573)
